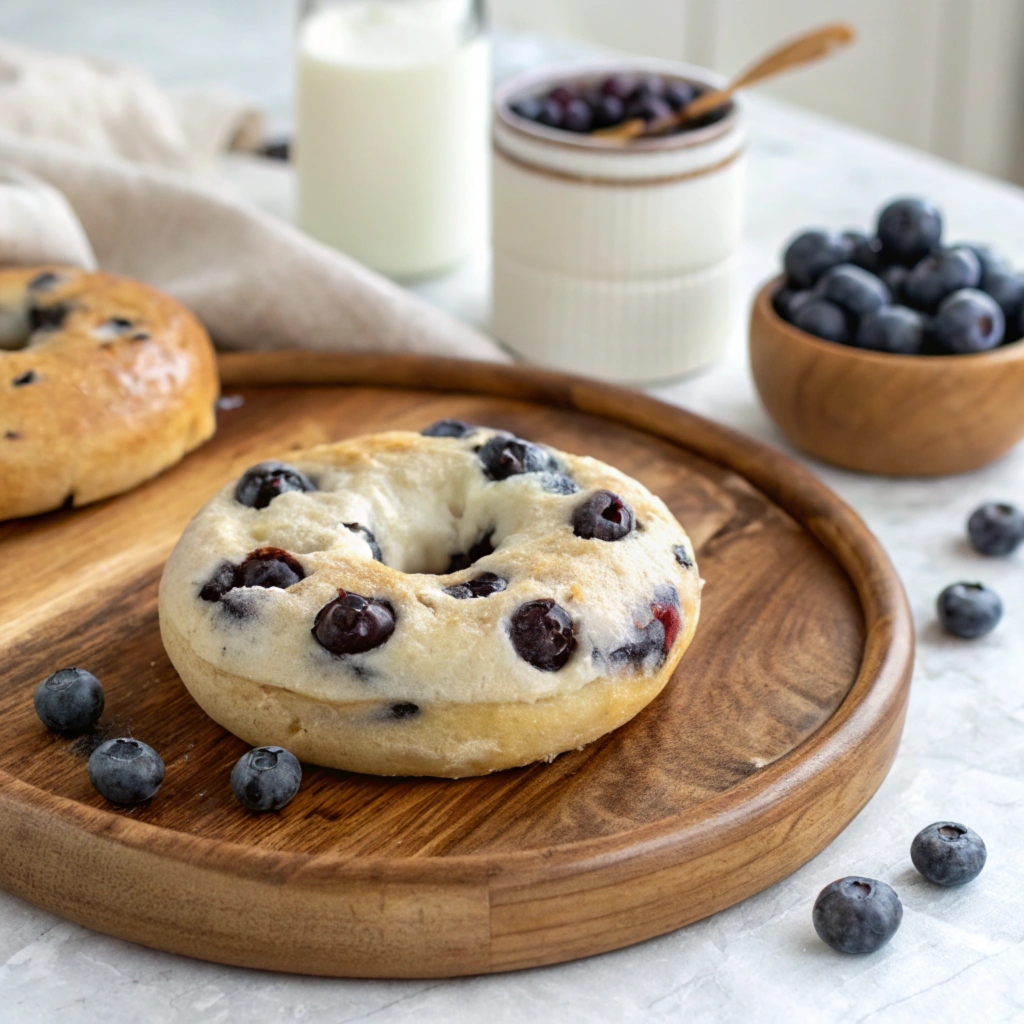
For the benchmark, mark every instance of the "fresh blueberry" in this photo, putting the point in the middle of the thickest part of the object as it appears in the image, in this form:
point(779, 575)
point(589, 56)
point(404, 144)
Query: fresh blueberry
point(269, 567)
point(449, 428)
point(484, 585)
point(824, 320)
point(895, 277)
point(578, 116)
point(969, 610)
point(621, 87)
point(126, 771)
point(865, 250)
point(948, 853)
point(787, 302)
point(266, 778)
point(852, 289)
point(996, 528)
point(892, 329)
point(909, 229)
point(939, 275)
point(262, 483)
point(608, 110)
point(603, 516)
point(991, 262)
point(352, 624)
point(679, 93)
point(543, 634)
point(506, 455)
point(562, 94)
point(1007, 288)
point(371, 540)
point(552, 113)
point(70, 701)
point(650, 108)
point(857, 915)
point(968, 321)
point(810, 254)
point(529, 108)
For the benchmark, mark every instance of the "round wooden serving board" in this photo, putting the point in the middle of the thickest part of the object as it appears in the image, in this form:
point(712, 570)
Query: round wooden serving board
point(778, 726)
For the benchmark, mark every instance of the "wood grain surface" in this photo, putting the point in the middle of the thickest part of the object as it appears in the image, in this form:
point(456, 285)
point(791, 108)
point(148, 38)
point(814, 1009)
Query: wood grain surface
point(778, 726)
point(883, 413)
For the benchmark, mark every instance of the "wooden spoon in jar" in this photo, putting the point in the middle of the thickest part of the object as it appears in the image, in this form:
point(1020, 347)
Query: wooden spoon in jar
point(804, 49)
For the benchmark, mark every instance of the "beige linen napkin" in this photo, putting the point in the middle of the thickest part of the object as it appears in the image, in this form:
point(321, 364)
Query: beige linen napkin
point(254, 281)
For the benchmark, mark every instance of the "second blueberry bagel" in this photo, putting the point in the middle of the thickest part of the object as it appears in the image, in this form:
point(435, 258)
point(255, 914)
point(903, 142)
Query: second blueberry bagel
point(447, 603)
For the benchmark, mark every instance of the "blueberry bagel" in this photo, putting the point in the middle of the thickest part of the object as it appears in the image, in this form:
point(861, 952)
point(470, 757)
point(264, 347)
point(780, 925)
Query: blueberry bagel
point(447, 603)
point(103, 383)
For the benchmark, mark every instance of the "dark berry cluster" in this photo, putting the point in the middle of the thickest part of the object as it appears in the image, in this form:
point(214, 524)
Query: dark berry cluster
point(587, 106)
point(901, 290)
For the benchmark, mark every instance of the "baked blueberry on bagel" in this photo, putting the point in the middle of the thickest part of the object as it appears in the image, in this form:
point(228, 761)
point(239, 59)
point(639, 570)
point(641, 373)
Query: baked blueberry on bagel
point(446, 603)
point(104, 383)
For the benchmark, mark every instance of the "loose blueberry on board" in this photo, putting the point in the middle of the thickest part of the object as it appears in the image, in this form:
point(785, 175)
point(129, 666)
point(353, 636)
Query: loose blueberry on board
point(506, 455)
point(857, 915)
point(824, 320)
point(603, 516)
point(543, 635)
point(266, 778)
point(939, 275)
point(969, 610)
point(909, 229)
point(367, 534)
point(262, 483)
point(484, 585)
point(353, 624)
point(968, 321)
point(996, 528)
point(892, 329)
point(948, 853)
point(269, 567)
point(852, 289)
point(126, 771)
point(810, 254)
point(449, 428)
point(70, 701)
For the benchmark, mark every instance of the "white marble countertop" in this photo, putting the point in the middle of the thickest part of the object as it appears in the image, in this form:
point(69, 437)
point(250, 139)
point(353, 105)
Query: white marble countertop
point(958, 952)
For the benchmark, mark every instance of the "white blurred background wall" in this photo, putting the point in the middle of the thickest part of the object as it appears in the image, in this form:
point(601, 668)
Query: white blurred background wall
point(946, 76)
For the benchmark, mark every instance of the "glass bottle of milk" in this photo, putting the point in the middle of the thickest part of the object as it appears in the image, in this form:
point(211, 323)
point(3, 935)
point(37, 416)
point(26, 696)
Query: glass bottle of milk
point(392, 122)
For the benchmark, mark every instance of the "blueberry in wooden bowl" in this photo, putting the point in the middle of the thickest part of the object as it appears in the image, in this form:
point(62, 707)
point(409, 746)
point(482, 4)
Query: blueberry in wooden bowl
point(893, 353)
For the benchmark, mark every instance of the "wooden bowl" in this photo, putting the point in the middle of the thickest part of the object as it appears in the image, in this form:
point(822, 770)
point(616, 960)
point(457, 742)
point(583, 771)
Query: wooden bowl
point(881, 413)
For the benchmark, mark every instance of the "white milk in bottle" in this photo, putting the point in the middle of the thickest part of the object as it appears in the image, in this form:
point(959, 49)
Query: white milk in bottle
point(392, 130)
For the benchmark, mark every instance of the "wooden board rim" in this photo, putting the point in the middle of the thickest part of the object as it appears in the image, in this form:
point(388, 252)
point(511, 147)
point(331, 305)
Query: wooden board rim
point(870, 718)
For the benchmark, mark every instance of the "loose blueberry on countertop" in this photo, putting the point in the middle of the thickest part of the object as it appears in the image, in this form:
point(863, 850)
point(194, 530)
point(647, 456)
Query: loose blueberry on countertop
point(909, 229)
point(865, 250)
point(262, 483)
point(266, 778)
point(892, 329)
point(603, 516)
point(852, 289)
point(968, 321)
point(506, 455)
point(810, 254)
point(448, 428)
point(969, 610)
point(939, 275)
point(996, 528)
point(70, 701)
point(126, 771)
point(1007, 288)
point(352, 624)
point(269, 567)
point(484, 585)
point(857, 915)
point(543, 634)
point(367, 535)
point(824, 320)
point(948, 853)
point(28, 377)
point(481, 549)
point(404, 709)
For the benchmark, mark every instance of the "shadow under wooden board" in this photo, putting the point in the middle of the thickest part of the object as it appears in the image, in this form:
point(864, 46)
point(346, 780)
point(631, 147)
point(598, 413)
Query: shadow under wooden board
point(779, 724)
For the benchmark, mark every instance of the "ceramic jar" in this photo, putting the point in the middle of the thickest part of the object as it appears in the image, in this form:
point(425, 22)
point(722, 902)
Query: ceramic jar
point(615, 260)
